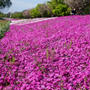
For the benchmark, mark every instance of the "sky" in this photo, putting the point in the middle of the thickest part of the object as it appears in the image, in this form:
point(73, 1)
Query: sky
point(20, 5)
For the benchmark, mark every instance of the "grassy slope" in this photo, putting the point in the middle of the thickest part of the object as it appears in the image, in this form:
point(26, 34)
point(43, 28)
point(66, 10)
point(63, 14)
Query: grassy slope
point(4, 26)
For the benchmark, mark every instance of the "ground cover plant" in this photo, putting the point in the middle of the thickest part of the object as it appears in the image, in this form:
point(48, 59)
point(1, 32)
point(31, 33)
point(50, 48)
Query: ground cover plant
point(4, 26)
point(47, 55)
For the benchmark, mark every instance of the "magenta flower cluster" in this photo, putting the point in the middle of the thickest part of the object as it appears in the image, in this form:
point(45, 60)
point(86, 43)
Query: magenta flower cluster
point(47, 55)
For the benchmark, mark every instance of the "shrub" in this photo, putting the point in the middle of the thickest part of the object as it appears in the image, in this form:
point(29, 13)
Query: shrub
point(86, 10)
point(26, 14)
point(61, 10)
point(45, 10)
point(2, 15)
point(54, 3)
point(34, 13)
point(41, 10)
point(79, 5)
point(17, 15)
point(4, 26)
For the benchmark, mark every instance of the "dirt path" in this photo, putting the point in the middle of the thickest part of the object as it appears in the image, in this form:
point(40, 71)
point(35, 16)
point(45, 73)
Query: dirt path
point(26, 21)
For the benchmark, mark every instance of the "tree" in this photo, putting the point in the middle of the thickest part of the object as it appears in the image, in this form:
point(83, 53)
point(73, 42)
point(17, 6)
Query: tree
point(54, 3)
point(61, 10)
point(79, 5)
point(26, 14)
point(5, 3)
point(58, 7)
point(2, 15)
point(34, 13)
point(17, 15)
point(44, 10)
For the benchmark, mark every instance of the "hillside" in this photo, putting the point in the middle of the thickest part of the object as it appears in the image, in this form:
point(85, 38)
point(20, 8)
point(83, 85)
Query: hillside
point(52, 54)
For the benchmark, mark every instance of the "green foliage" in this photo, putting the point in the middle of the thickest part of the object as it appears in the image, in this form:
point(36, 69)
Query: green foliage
point(4, 26)
point(5, 3)
point(44, 10)
point(54, 3)
point(51, 8)
point(2, 15)
point(81, 6)
point(17, 15)
point(26, 14)
point(61, 10)
point(34, 13)
point(41, 10)
point(86, 10)
point(12, 59)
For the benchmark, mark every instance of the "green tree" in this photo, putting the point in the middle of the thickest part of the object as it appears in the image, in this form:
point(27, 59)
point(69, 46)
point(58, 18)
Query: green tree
point(44, 10)
point(86, 10)
point(61, 10)
point(5, 3)
point(34, 13)
point(79, 5)
point(2, 15)
point(17, 15)
point(54, 3)
point(41, 10)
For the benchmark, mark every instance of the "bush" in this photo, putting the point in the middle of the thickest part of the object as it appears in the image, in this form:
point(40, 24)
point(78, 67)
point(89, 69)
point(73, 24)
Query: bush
point(79, 5)
point(26, 14)
point(41, 10)
point(61, 10)
point(44, 10)
point(17, 15)
point(34, 13)
point(53, 3)
point(2, 15)
point(4, 26)
point(86, 10)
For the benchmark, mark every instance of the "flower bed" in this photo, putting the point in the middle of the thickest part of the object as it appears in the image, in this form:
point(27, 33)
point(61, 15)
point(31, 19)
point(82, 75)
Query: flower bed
point(47, 55)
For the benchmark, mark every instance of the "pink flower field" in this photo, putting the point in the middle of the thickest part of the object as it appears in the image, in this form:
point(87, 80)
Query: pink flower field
point(48, 55)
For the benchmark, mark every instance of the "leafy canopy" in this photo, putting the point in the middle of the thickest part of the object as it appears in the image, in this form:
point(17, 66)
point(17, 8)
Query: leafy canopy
point(5, 3)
